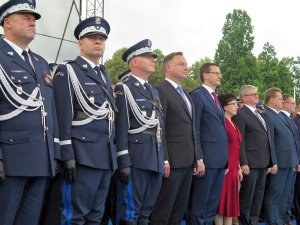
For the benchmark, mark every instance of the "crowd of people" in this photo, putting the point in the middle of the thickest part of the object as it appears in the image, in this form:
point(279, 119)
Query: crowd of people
point(76, 150)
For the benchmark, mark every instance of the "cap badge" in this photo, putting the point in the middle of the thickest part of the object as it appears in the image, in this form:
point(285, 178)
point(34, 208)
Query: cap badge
point(97, 20)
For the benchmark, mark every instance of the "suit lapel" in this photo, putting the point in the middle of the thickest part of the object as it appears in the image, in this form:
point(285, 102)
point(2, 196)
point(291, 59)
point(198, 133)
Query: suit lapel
point(139, 87)
point(212, 102)
point(175, 93)
point(16, 58)
point(254, 117)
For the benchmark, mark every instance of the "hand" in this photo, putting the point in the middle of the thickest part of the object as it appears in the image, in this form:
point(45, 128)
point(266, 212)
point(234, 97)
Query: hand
point(226, 171)
point(200, 169)
point(2, 173)
point(298, 168)
point(245, 169)
point(240, 174)
point(70, 170)
point(274, 170)
point(124, 174)
point(167, 170)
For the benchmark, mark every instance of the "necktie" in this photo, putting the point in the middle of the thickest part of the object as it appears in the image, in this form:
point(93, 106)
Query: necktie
point(26, 57)
point(181, 92)
point(100, 74)
point(148, 88)
point(216, 100)
point(260, 118)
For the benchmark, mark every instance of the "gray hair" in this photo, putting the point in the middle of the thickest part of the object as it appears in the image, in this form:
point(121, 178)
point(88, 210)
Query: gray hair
point(245, 88)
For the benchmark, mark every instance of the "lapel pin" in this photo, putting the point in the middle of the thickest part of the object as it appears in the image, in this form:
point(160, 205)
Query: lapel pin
point(10, 53)
point(137, 84)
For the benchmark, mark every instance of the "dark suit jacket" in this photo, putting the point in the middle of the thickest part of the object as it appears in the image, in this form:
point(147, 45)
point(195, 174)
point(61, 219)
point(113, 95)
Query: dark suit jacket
point(22, 145)
point(293, 127)
point(282, 140)
point(256, 144)
point(179, 132)
point(211, 137)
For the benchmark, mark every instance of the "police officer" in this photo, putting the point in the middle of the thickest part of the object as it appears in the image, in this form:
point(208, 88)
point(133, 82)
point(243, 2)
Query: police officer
point(85, 110)
point(138, 135)
point(29, 145)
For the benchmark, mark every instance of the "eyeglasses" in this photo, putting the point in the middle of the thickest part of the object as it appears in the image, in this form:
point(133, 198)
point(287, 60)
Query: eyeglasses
point(232, 103)
point(253, 95)
point(291, 103)
point(216, 73)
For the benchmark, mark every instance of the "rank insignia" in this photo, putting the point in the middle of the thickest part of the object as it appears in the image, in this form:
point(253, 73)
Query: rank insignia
point(84, 66)
point(10, 53)
point(137, 84)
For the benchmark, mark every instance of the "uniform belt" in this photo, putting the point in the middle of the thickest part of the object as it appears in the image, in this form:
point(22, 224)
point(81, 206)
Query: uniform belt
point(79, 115)
point(151, 131)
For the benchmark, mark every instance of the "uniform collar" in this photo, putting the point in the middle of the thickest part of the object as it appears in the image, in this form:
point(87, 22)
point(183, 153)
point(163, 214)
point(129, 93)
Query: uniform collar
point(89, 62)
point(16, 47)
point(139, 79)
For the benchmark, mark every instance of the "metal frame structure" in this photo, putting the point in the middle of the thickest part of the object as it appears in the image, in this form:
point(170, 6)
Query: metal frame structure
point(94, 8)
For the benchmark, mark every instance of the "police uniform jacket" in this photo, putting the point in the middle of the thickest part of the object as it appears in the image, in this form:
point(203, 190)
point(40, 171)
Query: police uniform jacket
point(89, 144)
point(23, 147)
point(139, 150)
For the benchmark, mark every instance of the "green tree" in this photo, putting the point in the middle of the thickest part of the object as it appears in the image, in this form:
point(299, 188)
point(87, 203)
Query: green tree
point(234, 56)
point(158, 76)
point(275, 72)
point(115, 66)
point(193, 79)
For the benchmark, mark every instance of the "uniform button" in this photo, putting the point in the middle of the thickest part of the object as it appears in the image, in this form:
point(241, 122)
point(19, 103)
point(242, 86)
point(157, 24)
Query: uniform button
point(11, 140)
point(43, 99)
point(136, 140)
point(83, 138)
point(92, 91)
point(143, 107)
point(38, 85)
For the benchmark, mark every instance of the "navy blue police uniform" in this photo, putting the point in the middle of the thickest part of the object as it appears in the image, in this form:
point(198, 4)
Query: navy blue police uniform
point(138, 136)
point(29, 144)
point(85, 110)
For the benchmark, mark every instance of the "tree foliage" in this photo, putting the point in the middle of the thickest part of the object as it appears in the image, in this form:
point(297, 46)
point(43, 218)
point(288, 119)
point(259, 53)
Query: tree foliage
point(234, 56)
point(115, 66)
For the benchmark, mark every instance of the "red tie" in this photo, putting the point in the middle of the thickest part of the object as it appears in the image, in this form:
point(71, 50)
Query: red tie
point(216, 100)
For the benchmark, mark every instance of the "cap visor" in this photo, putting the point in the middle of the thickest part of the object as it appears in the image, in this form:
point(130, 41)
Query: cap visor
point(92, 34)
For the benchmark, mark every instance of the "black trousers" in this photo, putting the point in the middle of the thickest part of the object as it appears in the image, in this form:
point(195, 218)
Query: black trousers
point(173, 198)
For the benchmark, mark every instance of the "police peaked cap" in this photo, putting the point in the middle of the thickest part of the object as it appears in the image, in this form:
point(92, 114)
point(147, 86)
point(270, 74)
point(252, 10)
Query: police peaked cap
point(141, 48)
point(92, 26)
point(18, 6)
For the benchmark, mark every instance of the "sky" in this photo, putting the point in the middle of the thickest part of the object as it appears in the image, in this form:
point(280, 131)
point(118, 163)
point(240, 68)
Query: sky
point(191, 26)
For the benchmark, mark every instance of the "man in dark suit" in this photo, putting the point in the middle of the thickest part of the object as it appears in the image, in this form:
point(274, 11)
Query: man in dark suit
point(179, 143)
point(211, 143)
point(255, 155)
point(278, 185)
point(297, 183)
point(139, 138)
point(29, 142)
point(287, 111)
point(85, 110)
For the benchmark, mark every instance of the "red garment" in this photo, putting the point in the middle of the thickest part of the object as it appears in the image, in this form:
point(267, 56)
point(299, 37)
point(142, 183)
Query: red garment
point(229, 205)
